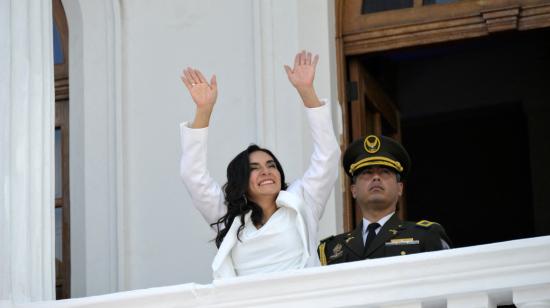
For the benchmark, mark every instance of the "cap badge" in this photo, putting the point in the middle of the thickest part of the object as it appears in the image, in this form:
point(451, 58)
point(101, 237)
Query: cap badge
point(372, 144)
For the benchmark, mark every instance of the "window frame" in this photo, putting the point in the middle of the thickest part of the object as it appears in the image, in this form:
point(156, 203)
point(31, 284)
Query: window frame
point(61, 73)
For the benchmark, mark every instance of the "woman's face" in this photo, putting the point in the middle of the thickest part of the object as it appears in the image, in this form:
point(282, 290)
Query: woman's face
point(265, 178)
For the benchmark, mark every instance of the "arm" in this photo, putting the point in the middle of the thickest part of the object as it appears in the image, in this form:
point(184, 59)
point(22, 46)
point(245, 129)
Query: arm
point(204, 95)
point(319, 178)
point(206, 194)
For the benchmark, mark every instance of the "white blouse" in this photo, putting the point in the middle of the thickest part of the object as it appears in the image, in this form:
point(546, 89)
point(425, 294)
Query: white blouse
point(274, 247)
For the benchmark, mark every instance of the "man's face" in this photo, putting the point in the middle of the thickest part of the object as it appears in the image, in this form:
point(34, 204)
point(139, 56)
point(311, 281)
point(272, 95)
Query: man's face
point(377, 188)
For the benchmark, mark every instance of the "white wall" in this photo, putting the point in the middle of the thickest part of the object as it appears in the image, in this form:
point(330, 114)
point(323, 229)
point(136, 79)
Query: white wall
point(167, 240)
point(133, 225)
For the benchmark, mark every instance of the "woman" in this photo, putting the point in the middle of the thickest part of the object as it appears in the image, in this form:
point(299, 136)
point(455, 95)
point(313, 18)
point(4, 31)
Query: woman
point(262, 225)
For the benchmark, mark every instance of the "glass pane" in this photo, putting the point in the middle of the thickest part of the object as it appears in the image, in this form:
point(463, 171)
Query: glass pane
point(58, 235)
point(428, 2)
point(58, 175)
point(373, 6)
point(58, 57)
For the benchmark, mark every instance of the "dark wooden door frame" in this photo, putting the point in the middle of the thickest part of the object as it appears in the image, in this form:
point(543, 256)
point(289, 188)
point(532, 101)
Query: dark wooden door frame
point(368, 106)
point(358, 34)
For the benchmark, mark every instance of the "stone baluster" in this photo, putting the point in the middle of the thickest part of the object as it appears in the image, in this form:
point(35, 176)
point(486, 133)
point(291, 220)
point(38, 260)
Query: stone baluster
point(532, 297)
point(475, 300)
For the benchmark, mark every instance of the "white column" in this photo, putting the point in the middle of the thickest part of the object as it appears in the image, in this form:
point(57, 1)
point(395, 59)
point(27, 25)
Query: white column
point(97, 219)
point(533, 297)
point(281, 29)
point(264, 54)
point(26, 151)
point(479, 300)
point(316, 31)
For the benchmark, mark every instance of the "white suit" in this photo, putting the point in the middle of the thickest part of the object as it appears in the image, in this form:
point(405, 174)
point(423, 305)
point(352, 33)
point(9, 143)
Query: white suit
point(306, 196)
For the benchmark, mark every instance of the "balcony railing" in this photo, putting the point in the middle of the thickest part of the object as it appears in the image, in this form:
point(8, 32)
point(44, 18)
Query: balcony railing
point(514, 272)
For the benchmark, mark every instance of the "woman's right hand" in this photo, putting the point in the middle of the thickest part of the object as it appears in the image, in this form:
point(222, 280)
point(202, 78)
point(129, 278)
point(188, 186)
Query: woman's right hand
point(204, 94)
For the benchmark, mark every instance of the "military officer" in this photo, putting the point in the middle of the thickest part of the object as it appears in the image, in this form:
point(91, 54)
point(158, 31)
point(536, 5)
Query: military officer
point(377, 165)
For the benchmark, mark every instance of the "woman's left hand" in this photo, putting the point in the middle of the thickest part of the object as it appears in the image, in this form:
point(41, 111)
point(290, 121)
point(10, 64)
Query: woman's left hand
point(302, 74)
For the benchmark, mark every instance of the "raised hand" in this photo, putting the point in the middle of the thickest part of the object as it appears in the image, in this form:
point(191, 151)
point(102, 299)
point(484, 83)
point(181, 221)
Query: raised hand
point(303, 72)
point(204, 95)
point(301, 76)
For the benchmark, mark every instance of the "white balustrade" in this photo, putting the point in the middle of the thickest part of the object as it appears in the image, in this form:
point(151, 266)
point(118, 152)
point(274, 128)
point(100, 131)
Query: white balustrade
point(537, 296)
point(478, 276)
point(476, 300)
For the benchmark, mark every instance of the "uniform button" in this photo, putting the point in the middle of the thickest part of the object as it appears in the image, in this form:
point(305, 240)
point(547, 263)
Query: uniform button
point(403, 252)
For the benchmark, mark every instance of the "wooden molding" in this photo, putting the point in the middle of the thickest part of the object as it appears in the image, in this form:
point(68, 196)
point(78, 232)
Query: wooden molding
point(62, 89)
point(435, 23)
point(535, 16)
point(501, 20)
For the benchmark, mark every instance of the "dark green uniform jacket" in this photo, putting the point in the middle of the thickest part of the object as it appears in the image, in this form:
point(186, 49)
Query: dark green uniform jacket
point(396, 237)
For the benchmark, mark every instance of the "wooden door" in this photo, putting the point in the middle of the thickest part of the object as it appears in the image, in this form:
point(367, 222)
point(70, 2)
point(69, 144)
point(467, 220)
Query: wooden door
point(370, 111)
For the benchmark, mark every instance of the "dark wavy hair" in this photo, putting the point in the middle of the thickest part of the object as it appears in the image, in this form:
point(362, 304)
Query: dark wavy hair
point(238, 174)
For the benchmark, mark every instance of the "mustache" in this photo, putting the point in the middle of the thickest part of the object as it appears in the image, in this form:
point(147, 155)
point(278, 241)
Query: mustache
point(377, 186)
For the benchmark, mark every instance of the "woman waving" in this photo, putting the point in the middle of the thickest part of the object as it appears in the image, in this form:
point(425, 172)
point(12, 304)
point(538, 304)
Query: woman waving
point(262, 224)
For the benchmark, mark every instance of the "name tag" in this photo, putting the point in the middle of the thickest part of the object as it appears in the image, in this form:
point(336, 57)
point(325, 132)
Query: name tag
point(403, 241)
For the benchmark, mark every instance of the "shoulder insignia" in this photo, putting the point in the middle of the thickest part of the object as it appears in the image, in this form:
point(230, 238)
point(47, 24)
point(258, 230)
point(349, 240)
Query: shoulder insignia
point(425, 223)
point(322, 255)
point(336, 252)
point(393, 231)
point(349, 239)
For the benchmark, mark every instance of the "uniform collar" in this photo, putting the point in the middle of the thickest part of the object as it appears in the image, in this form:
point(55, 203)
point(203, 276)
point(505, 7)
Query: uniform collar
point(392, 227)
point(382, 221)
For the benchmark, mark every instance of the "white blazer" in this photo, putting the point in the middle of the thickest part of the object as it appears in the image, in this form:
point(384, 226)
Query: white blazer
point(307, 195)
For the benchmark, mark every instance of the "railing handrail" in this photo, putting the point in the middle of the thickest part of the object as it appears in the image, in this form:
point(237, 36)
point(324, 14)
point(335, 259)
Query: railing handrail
point(494, 269)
